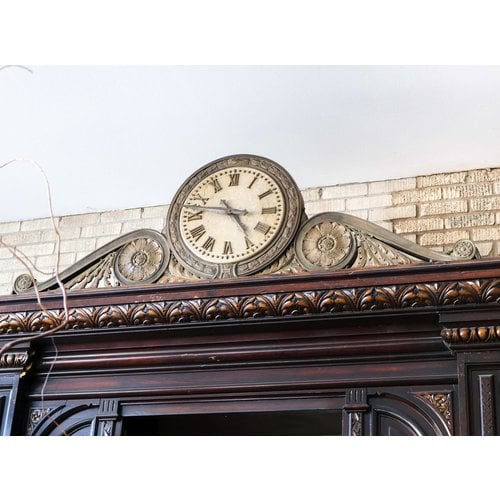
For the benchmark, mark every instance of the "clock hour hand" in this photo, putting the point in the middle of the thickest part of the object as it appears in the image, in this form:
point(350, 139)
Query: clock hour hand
point(222, 210)
point(234, 214)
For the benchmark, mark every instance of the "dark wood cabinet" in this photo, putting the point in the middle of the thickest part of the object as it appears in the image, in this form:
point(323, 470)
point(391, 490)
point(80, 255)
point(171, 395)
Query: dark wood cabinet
point(410, 350)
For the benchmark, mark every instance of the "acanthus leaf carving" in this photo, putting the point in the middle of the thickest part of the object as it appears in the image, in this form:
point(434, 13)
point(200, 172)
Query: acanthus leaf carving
point(442, 404)
point(370, 298)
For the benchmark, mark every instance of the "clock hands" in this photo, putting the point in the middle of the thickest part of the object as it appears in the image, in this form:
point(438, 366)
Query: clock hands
point(225, 210)
point(234, 214)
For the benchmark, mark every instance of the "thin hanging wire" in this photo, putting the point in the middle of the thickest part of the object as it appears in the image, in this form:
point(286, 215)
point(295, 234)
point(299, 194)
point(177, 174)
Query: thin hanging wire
point(29, 265)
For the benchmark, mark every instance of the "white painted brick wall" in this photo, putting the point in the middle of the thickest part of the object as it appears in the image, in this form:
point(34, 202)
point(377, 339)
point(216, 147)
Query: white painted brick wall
point(434, 211)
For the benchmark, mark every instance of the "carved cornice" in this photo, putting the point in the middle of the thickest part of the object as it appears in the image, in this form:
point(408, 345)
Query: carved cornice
point(471, 334)
point(268, 305)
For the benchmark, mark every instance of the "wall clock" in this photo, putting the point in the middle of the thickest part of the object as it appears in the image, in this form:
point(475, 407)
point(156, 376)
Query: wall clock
point(234, 216)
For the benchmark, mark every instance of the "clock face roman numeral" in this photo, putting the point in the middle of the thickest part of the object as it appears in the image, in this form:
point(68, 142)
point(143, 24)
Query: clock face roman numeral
point(248, 243)
point(209, 244)
point(234, 179)
point(198, 196)
point(228, 248)
point(262, 227)
point(216, 185)
point(198, 232)
point(269, 210)
point(195, 216)
point(252, 183)
point(267, 193)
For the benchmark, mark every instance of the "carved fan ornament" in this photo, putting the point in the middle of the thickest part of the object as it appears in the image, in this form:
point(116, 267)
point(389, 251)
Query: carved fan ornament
point(327, 241)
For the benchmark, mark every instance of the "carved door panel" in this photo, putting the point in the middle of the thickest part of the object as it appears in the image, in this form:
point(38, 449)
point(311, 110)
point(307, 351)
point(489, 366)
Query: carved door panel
point(8, 393)
point(73, 418)
point(410, 412)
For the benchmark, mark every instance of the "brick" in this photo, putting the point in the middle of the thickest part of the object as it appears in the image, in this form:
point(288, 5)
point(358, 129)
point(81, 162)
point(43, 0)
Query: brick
point(153, 212)
point(345, 190)
point(482, 175)
point(392, 185)
point(392, 213)
point(7, 277)
point(48, 262)
point(37, 249)
point(38, 224)
point(384, 224)
point(442, 238)
point(102, 230)
point(81, 255)
point(486, 234)
point(9, 227)
point(312, 194)
point(410, 237)
point(80, 245)
point(383, 200)
point(121, 215)
point(316, 207)
point(443, 207)
point(65, 233)
point(417, 195)
point(417, 225)
point(483, 204)
point(360, 214)
point(143, 224)
point(20, 238)
point(103, 240)
point(485, 248)
point(467, 190)
point(468, 220)
point(80, 220)
point(441, 179)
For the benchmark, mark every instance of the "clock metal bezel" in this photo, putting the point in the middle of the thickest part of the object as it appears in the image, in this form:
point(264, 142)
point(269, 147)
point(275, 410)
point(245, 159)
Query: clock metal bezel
point(293, 210)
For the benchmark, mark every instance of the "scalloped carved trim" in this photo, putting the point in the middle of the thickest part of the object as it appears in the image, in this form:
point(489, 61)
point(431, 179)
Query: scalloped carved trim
point(471, 334)
point(14, 359)
point(261, 305)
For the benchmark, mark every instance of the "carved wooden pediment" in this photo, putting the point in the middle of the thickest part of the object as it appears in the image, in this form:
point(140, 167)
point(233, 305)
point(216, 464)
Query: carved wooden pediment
point(325, 242)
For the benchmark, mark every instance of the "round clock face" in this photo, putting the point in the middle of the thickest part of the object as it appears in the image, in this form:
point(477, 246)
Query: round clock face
point(233, 216)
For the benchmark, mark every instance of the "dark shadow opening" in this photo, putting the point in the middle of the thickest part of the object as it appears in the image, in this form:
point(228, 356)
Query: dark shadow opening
point(281, 423)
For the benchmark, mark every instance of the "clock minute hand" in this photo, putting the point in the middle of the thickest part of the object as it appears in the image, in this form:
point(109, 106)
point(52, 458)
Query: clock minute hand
point(234, 215)
point(223, 210)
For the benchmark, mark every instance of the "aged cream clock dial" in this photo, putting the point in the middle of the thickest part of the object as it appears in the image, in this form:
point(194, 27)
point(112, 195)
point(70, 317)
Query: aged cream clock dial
point(234, 216)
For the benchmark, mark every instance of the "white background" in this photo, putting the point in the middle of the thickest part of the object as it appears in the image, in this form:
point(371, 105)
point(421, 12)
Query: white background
point(271, 32)
point(113, 137)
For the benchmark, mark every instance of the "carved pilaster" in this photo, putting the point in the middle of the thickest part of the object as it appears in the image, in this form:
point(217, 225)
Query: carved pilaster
point(354, 408)
point(487, 405)
point(107, 417)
